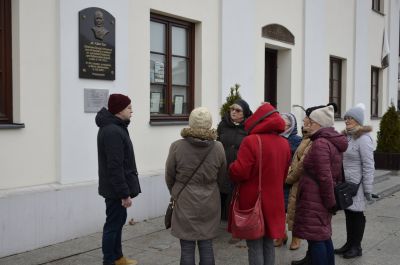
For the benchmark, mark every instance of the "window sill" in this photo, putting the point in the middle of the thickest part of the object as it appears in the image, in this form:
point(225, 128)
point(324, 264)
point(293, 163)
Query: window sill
point(375, 118)
point(166, 123)
point(165, 119)
point(12, 126)
point(378, 12)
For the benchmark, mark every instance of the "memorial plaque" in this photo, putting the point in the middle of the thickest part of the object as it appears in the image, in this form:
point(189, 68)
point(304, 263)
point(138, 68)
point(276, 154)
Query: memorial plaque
point(95, 99)
point(96, 44)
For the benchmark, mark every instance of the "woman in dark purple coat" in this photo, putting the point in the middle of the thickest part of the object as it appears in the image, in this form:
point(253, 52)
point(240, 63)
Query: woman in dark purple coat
point(316, 200)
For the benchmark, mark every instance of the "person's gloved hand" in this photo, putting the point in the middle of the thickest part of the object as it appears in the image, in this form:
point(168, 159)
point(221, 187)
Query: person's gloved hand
point(375, 196)
point(333, 210)
point(368, 197)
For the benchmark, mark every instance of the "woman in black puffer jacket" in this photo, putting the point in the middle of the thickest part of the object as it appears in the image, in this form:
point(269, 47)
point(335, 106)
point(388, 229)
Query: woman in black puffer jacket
point(231, 133)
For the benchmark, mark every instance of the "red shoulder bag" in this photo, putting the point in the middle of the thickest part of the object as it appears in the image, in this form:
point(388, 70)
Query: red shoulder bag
point(249, 223)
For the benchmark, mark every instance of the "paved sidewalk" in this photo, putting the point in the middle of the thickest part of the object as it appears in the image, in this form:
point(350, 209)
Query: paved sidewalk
point(151, 244)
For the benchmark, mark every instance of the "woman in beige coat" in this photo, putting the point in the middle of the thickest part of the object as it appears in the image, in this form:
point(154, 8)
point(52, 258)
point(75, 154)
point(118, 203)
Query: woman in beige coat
point(197, 211)
point(293, 178)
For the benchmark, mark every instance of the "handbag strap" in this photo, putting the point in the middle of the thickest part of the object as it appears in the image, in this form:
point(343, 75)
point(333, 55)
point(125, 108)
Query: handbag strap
point(344, 178)
point(259, 163)
point(195, 170)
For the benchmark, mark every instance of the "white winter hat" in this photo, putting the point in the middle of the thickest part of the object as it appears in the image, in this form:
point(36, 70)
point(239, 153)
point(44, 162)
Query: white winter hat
point(323, 116)
point(200, 118)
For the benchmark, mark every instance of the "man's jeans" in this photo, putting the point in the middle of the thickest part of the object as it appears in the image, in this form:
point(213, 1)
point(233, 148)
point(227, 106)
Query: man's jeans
point(261, 251)
point(321, 252)
point(206, 252)
point(112, 231)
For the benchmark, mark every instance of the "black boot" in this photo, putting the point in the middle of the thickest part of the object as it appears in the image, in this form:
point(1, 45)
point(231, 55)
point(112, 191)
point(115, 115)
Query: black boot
point(304, 261)
point(343, 249)
point(359, 230)
point(353, 252)
point(357, 236)
point(349, 234)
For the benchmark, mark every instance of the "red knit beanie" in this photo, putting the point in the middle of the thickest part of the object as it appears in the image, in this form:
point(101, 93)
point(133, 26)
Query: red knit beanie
point(117, 103)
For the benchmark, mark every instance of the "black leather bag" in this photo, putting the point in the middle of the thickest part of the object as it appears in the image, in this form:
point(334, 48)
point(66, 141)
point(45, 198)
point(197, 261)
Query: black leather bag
point(344, 193)
point(168, 213)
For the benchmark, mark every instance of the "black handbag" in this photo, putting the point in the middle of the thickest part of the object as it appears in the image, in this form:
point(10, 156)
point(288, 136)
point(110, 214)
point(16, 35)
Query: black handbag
point(172, 201)
point(168, 213)
point(344, 195)
point(344, 192)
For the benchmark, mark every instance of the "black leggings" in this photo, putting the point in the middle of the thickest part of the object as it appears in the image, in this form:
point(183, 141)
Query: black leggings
point(355, 226)
point(225, 205)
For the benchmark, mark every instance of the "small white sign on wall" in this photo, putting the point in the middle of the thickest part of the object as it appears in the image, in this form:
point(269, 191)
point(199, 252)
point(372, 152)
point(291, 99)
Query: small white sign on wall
point(95, 99)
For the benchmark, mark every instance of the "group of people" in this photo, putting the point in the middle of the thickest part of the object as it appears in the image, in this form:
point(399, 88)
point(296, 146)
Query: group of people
point(206, 166)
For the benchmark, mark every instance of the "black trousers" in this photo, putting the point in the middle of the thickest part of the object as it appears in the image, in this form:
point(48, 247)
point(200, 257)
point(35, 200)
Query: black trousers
point(112, 231)
point(355, 226)
point(225, 205)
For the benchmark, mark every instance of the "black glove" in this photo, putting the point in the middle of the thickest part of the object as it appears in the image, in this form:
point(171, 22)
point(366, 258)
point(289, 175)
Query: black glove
point(368, 197)
point(375, 196)
point(333, 210)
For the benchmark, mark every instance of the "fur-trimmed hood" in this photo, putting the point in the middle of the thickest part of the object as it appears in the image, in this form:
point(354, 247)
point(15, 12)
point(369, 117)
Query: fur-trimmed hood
point(203, 134)
point(292, 130)
point(358, 132)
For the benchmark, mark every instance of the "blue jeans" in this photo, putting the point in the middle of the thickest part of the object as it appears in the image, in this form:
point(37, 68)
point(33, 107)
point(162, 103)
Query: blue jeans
point(206, 252)
point(261, 251)
point(112, 231)
point(321, 252)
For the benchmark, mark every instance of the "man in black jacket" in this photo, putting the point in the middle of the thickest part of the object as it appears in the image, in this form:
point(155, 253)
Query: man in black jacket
point(118, 177)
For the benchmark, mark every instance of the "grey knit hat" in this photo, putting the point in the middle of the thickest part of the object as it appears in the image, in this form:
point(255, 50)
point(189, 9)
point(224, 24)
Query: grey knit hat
point(200, 118)
point(357, 113)
point(323, 116)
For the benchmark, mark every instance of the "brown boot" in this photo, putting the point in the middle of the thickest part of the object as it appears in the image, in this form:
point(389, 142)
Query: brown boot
point(280, 241)
point(125, 261)
point(295, 243)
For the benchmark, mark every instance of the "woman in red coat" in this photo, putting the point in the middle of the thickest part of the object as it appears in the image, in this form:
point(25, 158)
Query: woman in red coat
point(244, 173)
